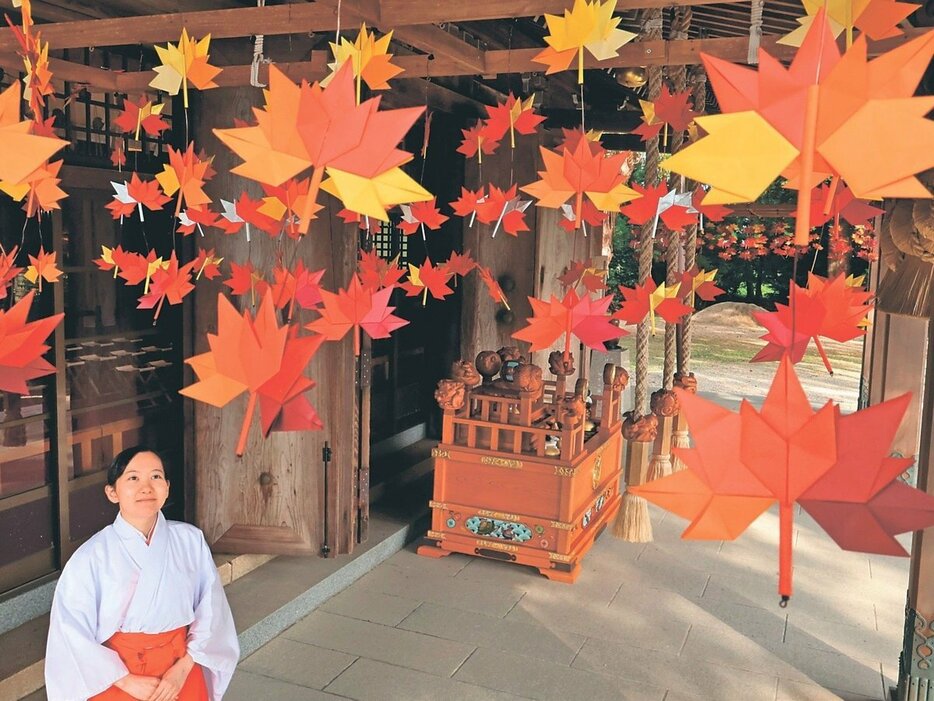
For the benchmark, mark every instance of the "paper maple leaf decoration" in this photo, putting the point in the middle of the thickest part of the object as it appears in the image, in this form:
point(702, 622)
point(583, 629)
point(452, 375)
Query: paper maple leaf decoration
point(171, 283)
point(184, 63)
point(504, 208)
point(651, 299)
point(369, 58)
point(581, 316)
point(589, 25)
point(583, 273)
point(38, 79)
point(244, 212)
point(823, 116)
point(836, 466)
point(701, 283)
point(477, 141)
point(512, 116)
point(459, 264)
point(585, 170)
point(135, 195)
point(878, 19)
point(133, 267)
point(185, 173)
point(325, 129)
point(141, 115)
point(827, 204)
point(296, 286)
point(257, 356)
point(40, 189)
point(22, 344)
point(656, 203)
point(42, 267)
point(468, 203)
point(23, 151)
point(359, 309)
point(492, 286)
point(425, 279)
point(8, 270)
point(419, 215)
point(376, 272)
point(118, 157)
point(244, 279)
point(207, 264)
point(832, 308)
point(195, 218)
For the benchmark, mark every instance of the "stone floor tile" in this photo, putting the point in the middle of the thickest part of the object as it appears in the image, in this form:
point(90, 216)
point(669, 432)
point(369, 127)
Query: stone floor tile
point(759, 624)
point(383, 643)
point(369, 680)
point(860, 642)
point(454, 592)
point(247, 686)
point(542, 680)
point(409, 559)
point(375, 607)
point(536, 641)
point(798, 691)
point(695, 678)
point(297, 663)
point(651, 626)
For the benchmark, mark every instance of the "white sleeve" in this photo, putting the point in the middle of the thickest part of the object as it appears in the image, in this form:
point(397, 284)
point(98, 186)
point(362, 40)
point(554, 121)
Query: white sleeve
point(212, 637)
point(77, 666)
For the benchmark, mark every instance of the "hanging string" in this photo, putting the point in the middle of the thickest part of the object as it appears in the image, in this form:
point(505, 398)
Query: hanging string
point(258, 57)
point(337, 32)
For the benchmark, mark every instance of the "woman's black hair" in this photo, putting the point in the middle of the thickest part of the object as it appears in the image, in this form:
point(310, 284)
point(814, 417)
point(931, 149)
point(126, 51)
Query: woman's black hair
point(118, 466)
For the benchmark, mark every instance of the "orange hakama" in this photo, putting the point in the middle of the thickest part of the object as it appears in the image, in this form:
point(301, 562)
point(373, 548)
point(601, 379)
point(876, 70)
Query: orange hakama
point(151, 655)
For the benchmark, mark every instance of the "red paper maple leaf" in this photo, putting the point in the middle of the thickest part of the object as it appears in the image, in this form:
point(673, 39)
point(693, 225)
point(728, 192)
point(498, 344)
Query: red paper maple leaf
point(674, 109)
point(643, 209)
point(142, 193)
point(713, 212)
point(185, 174)
point(706, 290)
point(648, 131)
point(829, 202)
point(837, 467)
point(476, 142)
point(8, 270)
point(587, 319)
point(494, 206)
point(511, 116)
point(259, 357)
point(460, 264)
point(118, 157)
point(197, 218)
point(425, 279)
point(290, 199)
point(297, 286)
point(376, 272)
point(207, 264)
point(825, 308)
point(22, 345)
point(492, 286)
point(677, 217)
point(129, 119)
point(243, 279)
point(589, 214)
point(651, 299)
point(469, 201)
point(168, 284)
point(423, 214)
point(359, 309)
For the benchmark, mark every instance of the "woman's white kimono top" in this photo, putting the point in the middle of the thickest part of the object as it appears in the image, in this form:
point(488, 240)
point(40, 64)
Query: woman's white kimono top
point(116, 582)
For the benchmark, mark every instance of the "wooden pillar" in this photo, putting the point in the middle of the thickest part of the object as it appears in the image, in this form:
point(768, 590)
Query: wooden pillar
point(916, 664)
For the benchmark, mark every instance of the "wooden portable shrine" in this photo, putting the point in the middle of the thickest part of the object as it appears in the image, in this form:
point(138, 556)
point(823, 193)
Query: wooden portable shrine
point(525, 473)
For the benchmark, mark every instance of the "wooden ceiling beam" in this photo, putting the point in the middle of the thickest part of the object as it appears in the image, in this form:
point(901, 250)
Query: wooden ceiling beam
point(290, 18)
point(66, 71)
point(645, 53)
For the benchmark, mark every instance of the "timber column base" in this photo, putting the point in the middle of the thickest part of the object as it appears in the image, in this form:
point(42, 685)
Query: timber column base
point(916, 663)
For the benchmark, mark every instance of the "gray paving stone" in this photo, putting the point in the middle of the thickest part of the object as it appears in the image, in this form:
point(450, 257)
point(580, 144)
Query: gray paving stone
point(697, 678)
point(247, 686)
point(297, 663)
point(542, 680)
point(383, 643)
point(536, 641)
point(410, 560)
point(375, 607)
point(652, 627)
point(797, 691)
point(860, 642)
point(441, 589)
point(369, 680)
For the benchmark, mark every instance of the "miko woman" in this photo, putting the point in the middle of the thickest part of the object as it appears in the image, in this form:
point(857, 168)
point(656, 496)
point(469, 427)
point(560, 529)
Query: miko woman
point(139, 611)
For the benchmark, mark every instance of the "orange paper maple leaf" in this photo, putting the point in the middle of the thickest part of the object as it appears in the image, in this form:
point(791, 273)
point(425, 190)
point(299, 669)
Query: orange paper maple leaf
point(42, 267)
point(359, 309)
point(836, 466)
point(257, 356)
point(22, 344)
point(587, 319)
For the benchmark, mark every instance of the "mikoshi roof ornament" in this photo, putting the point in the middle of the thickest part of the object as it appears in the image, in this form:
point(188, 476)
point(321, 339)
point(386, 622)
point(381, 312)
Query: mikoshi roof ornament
point(836, 465)
point(825, 116)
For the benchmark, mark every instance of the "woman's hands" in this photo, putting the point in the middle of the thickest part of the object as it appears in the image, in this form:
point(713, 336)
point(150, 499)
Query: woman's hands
point(138, 686)
point(169, 687)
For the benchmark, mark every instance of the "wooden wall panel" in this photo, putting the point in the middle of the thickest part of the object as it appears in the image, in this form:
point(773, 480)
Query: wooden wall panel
point(271, 499)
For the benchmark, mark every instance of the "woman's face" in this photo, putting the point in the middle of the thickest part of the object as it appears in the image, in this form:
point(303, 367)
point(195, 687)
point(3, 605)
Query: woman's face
point(142, 489)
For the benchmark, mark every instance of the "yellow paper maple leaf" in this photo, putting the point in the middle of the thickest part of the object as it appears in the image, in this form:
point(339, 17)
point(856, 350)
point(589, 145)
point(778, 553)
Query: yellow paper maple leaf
point(877, 18)
point(589, 25)
point(184, 63)
point(369, 56)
